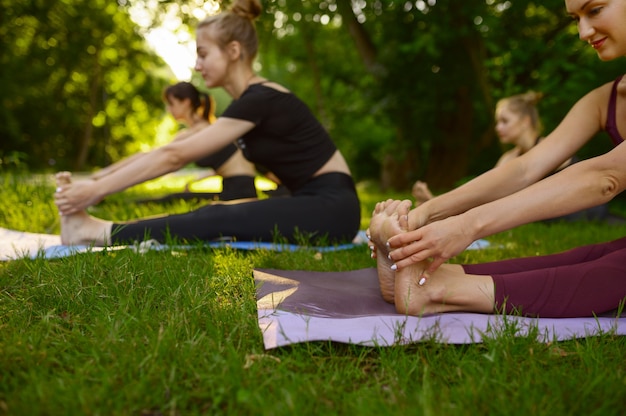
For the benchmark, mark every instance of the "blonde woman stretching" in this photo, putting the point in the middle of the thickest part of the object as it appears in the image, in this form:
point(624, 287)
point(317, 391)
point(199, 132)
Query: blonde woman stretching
point(272, 128)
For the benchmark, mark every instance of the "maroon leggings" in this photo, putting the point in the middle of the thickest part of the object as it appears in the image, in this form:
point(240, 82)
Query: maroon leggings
point(584, 281)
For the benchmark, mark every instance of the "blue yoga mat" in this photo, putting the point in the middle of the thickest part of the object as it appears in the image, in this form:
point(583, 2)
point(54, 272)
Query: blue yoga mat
point(20, 244)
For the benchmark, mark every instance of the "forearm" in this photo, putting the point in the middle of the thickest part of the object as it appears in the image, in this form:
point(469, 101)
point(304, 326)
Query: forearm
point(174, 155)
point(581, 186)
point(150, 166)
point(491, 185)
point(115, 166)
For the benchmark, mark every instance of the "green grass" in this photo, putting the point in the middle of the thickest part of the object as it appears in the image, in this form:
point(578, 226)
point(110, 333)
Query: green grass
point(175, 333)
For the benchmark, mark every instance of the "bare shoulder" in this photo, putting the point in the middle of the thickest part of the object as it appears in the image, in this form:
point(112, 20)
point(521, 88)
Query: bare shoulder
point(596, 102)
point(602, 93)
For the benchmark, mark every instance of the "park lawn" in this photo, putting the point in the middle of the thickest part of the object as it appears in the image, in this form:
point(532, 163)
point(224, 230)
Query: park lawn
point(175, 333)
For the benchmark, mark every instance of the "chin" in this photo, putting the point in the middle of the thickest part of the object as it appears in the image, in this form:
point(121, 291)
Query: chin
point(609, 56)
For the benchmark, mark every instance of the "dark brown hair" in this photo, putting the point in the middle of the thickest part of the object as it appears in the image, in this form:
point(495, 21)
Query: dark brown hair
point(200, 101)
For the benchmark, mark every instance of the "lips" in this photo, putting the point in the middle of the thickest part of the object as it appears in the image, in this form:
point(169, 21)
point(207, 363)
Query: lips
point(597, 44)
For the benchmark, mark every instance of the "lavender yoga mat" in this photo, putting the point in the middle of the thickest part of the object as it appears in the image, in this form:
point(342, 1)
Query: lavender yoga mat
point(300, 306)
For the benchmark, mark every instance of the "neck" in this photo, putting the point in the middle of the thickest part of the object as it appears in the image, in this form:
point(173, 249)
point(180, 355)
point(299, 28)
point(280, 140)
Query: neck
point(191, 119)
point(240, 81)
point(527, 141)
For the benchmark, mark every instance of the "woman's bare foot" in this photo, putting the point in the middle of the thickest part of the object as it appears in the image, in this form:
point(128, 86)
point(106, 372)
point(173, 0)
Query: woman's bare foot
point(446, 290)
point(81, 228)
point(388, 219)
point(421, 192)
point(449, 289)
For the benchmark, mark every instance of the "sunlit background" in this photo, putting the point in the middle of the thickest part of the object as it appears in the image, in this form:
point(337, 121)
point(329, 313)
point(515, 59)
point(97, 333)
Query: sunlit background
point(172, 39)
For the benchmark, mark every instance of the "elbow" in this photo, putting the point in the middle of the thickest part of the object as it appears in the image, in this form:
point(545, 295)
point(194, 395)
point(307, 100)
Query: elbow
point(610, 186)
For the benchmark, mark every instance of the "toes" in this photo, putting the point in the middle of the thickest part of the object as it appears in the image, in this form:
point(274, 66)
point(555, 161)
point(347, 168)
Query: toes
point(63, 178)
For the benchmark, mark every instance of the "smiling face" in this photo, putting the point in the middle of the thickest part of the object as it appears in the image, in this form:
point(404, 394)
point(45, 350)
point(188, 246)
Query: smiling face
point(601, 23)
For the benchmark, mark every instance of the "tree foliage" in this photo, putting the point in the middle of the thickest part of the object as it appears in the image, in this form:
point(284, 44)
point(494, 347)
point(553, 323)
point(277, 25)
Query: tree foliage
point(410, 86)
point(77, 82)
point(406, 88)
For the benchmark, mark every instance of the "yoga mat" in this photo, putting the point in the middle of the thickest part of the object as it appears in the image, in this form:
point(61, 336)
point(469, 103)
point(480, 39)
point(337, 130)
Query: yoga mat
point(19, 244)
point(297, 306)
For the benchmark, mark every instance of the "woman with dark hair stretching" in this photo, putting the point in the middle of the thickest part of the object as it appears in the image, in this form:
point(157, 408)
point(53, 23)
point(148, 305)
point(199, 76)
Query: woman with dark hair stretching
point(196, 110)
point(272, 128)
point(411, 246)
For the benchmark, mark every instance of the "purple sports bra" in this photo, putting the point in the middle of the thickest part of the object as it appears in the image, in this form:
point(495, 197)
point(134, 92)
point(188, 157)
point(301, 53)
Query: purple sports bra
point(611, 121)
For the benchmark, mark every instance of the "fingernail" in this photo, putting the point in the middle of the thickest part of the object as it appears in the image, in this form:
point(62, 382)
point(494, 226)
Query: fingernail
point(372, 254)
point(388, 245)
point(59, 189)
point(422, 281)
point(372, 247)
point(394, 267)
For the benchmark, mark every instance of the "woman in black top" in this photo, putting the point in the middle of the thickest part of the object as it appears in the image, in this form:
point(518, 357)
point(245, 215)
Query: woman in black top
point(272, 127)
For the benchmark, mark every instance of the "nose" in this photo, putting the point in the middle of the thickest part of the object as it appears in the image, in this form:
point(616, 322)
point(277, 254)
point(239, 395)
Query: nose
point(197, 67)
point(585, 30)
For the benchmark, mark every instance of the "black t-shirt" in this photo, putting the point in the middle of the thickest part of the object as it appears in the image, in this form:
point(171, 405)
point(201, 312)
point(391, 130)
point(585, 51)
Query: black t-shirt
point(216, 160)
point(287, 139)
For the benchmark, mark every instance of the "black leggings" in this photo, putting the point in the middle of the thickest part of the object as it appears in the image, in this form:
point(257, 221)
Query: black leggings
point(583, 281)
point(327, 207)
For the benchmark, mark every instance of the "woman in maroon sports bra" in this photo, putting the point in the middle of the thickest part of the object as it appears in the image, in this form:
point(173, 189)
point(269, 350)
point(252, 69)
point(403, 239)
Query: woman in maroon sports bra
point(412, 245)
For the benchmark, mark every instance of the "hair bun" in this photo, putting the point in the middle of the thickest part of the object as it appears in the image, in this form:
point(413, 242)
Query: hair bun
point(248, 9)
point(532, 97)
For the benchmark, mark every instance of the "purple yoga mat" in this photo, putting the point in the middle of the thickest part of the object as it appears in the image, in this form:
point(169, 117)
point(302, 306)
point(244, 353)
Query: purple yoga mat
point(301, 306)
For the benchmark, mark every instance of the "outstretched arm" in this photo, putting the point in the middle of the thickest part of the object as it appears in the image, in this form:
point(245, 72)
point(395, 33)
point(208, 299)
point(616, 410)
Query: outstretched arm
point(586, 184)
point(115, 166)
point(133, 158)
point(495, 201)
point(169, 158)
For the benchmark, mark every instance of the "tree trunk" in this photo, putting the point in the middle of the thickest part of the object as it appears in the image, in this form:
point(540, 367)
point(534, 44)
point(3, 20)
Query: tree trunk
point(83, 153)
point(449, 157)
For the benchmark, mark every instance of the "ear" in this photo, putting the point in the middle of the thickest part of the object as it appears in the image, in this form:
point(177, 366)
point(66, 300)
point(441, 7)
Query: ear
point(234, 50)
